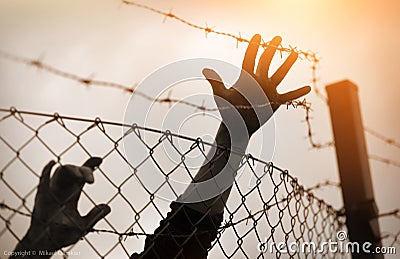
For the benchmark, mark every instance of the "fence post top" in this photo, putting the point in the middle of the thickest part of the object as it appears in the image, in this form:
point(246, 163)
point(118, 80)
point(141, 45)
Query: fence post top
point(345, 83)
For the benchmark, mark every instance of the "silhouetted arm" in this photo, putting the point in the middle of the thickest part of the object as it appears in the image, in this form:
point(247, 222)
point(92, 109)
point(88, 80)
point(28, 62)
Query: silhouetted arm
point(192, 224)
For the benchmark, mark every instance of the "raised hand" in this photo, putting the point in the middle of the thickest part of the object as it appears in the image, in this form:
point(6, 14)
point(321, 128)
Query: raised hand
point(56, 222)
point(247, 82)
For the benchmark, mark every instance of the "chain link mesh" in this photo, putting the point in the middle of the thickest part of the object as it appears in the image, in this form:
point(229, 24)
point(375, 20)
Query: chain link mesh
point(273, 209)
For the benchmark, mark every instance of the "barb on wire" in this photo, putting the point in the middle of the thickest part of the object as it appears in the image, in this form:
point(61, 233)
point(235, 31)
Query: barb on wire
point(384, 160)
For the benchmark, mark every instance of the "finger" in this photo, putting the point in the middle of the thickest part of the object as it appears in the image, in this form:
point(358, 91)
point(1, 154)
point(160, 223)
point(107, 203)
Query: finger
point(268, 54)
point(251, 53)
point(93, 162)
point(282, 71)
point(45, 177)
point(292, 95)
point(215, 81)
point(95, 215)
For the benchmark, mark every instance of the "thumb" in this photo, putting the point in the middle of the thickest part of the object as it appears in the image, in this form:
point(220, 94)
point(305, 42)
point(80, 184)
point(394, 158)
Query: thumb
point(95, 215)
point(215, 81)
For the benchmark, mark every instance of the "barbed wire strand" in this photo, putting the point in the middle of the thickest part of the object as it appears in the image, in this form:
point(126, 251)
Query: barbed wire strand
point(308, 55)
point(380, 136)
point(395, 213)
point(86, 81)
point(131, 89)
point(324, 184)
point(395, 238)
point(384, 160)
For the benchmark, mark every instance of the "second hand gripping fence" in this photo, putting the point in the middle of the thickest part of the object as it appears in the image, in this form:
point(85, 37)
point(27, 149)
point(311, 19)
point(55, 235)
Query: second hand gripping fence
point(275, 209)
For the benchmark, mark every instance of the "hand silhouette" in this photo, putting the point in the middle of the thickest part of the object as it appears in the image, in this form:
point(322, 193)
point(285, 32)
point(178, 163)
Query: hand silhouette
point(56, 222)
point(234, 95)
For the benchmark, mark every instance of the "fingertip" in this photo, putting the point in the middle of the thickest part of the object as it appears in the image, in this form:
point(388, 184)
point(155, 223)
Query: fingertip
point(51, 162)
point(210, 74)
point(48, 167)
point(45, 176)
point(276, 41)
point(207, 71)
point(96, 214)
point(102, 210)
point(256, 38)
point(105, 209)
point(93, 162)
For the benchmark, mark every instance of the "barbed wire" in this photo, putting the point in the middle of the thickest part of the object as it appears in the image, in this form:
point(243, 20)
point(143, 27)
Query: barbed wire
point(131, 89)
point(395, 213)
point(308, 55)
point(331, 218)
point(302, 216)
point(394, 236)
point(380, 136)
point(324, 184)
point(39, 64)
point(295, 104)
point(384, 160)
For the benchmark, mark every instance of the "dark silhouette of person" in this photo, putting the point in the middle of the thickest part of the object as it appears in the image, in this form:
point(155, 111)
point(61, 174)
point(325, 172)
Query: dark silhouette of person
point(189, 228)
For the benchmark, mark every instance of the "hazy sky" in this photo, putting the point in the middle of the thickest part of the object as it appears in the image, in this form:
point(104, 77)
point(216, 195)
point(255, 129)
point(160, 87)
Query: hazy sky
point(107, 40)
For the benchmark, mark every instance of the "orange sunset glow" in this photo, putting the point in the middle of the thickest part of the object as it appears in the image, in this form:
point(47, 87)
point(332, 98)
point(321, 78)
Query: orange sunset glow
point(114, 41)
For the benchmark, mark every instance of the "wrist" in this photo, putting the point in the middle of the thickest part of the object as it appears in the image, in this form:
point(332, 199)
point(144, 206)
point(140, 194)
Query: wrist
point(237, 143)
point(35, 244)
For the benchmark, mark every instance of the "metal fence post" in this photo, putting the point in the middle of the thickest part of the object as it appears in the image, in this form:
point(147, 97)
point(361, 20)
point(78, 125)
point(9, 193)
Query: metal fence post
point(352, 158)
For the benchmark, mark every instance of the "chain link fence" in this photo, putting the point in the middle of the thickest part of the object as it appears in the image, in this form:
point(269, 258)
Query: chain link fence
point(267, 207)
